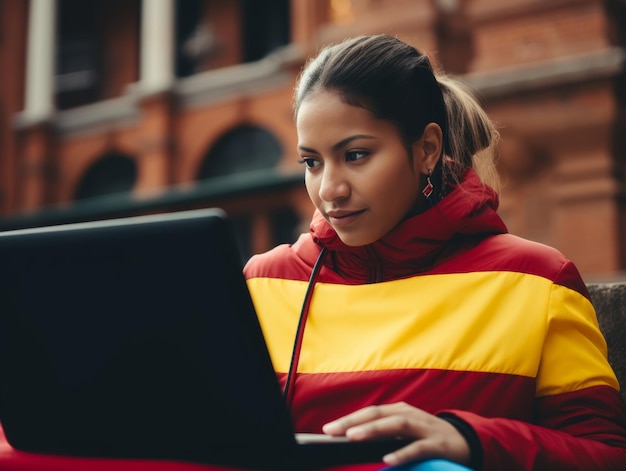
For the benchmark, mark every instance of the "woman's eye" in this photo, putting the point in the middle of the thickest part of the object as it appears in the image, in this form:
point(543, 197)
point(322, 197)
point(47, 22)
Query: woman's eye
point(356, 155)
point(310, 163)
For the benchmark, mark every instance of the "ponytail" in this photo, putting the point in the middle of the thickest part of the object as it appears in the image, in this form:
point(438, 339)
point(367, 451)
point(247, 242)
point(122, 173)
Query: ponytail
point(471, 138)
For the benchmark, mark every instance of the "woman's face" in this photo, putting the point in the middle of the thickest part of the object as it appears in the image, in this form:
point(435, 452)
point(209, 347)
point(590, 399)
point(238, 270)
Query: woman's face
point(358, 172)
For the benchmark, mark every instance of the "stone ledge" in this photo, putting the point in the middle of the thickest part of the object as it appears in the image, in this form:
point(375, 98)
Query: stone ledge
point(567, 70)
point(609, 300)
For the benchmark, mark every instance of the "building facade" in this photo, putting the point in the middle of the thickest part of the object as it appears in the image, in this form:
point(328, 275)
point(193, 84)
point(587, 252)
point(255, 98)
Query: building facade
point(138, 96)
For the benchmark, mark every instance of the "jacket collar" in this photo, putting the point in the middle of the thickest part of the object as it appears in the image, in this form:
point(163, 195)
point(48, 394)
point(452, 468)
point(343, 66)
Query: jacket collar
point(418, 242)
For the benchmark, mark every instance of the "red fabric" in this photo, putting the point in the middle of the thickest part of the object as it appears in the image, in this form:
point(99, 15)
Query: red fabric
point(580, 430)
point(325, 396)
point(419, 242)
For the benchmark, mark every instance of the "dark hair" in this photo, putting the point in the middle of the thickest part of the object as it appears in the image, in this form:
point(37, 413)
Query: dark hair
point(395, 82)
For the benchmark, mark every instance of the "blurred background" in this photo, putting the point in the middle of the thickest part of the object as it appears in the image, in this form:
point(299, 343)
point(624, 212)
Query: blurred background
point(118, 107)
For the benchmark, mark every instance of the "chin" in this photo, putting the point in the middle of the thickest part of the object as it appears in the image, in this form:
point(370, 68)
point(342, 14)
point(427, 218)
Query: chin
point(352, 241)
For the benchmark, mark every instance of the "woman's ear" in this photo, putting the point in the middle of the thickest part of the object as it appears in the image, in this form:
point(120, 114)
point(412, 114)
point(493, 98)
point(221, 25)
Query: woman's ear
point(427, 149)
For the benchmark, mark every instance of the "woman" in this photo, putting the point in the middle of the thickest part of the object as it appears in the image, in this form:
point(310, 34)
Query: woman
point(417, 315)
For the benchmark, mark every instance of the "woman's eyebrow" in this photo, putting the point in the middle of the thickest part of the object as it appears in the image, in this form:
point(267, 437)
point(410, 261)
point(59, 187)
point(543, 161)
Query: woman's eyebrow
point(340, 144)
point(348, 140)
point(307, 149)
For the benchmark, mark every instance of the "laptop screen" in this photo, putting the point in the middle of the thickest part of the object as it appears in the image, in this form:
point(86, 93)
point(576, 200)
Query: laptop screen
point(133, 337)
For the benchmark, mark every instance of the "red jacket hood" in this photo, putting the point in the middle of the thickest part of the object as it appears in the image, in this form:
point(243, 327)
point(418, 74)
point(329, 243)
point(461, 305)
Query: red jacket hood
point(418, 242)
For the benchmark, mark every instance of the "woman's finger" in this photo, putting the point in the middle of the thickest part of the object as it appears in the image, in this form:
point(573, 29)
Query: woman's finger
point(417, 450)
point(405, 425)
point(365, 415)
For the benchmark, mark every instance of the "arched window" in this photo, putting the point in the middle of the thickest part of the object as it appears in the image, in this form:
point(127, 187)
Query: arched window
point(112, 173)
point(243, 149)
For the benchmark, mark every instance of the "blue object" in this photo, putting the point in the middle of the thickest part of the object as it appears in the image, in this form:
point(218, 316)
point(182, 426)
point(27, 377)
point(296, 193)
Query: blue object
point(430, 465)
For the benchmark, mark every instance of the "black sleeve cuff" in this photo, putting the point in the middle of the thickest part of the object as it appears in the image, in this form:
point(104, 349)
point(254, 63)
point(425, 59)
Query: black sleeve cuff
point(471, 437)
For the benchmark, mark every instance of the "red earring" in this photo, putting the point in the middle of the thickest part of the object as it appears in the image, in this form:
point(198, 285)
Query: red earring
point(428, 189)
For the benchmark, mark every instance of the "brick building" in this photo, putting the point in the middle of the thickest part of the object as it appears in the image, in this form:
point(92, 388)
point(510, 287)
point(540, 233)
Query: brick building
point(139, 96)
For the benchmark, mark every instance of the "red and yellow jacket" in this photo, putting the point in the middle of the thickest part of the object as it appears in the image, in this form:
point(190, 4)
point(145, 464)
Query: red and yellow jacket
point(449, 313)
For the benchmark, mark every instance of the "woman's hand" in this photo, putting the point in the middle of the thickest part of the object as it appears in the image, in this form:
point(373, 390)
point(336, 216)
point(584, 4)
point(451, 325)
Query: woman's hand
point(435, 438)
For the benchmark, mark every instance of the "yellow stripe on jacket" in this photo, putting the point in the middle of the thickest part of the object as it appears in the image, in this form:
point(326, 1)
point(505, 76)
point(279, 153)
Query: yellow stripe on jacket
point(440, 322)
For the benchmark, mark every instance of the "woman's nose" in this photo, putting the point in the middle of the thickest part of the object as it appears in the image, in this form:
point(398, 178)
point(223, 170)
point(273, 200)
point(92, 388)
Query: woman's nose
point(334, 185)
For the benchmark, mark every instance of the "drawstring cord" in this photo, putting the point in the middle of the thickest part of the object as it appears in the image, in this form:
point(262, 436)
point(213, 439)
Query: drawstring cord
point(288, 391)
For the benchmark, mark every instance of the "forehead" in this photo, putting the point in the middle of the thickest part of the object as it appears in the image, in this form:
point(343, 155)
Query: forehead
point(325, 114)
point(321, 101)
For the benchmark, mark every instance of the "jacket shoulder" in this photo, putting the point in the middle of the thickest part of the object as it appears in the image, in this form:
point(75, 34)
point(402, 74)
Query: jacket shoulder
point(507, 252)
point(287, 261)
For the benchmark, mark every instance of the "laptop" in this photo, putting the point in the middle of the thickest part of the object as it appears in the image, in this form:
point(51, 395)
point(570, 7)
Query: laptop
point(137, 338)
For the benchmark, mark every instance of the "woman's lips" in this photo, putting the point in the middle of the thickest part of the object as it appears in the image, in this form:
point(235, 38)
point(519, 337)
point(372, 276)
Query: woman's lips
point(343, 218)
